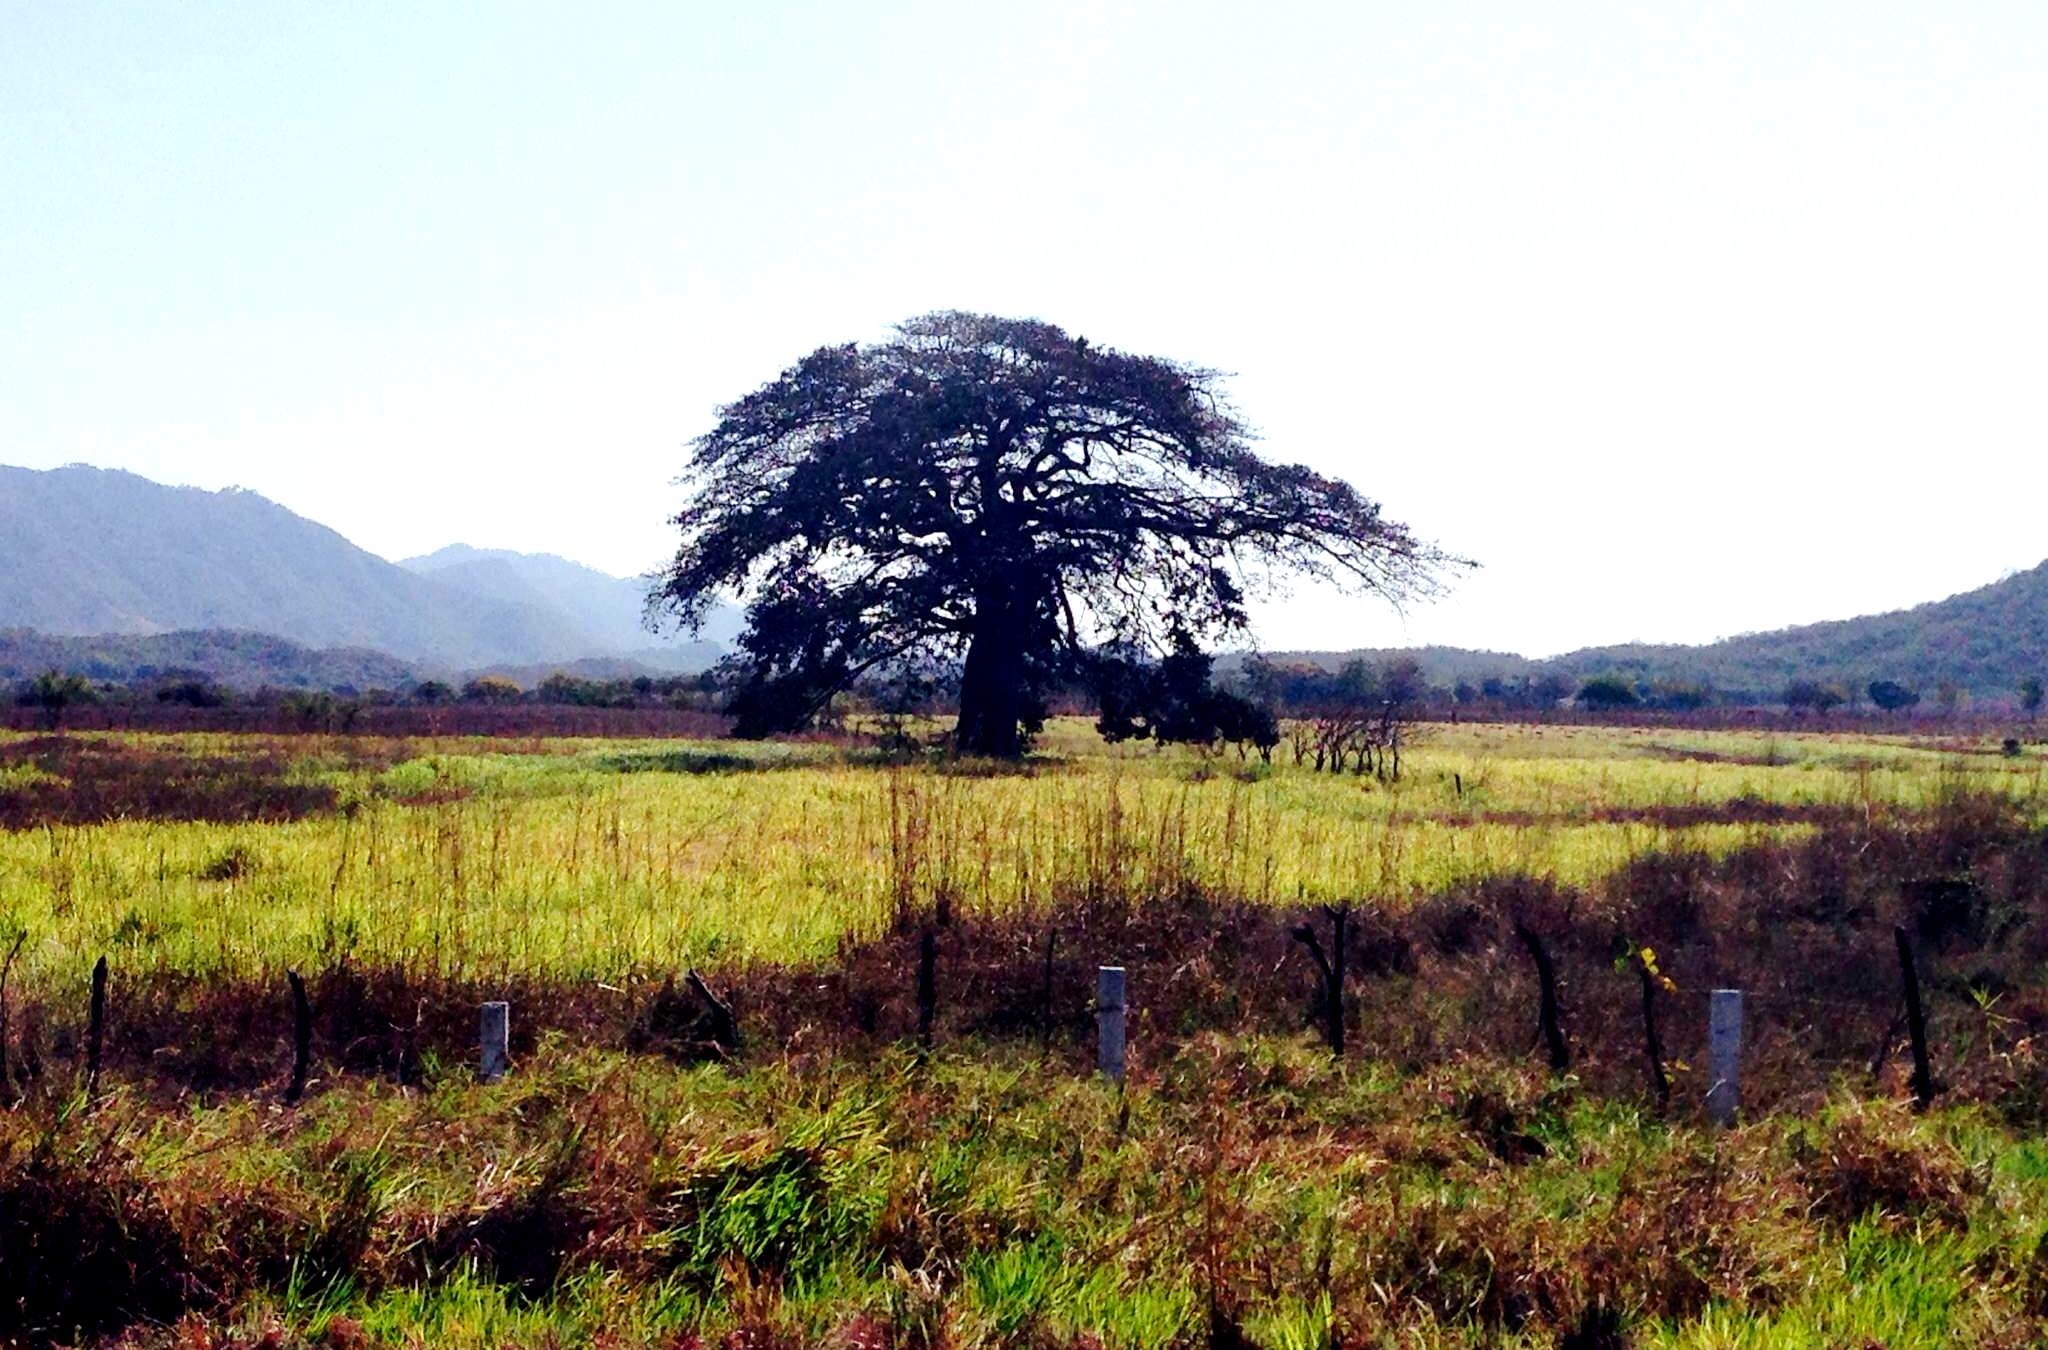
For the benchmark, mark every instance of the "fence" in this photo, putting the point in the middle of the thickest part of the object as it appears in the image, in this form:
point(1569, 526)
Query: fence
point(712, 1026)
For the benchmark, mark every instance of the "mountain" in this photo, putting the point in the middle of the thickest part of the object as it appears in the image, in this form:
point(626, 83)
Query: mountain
point(241, 660)
point(93, 551)
point(100, 552)
point(606, 610)
point(1984, 641)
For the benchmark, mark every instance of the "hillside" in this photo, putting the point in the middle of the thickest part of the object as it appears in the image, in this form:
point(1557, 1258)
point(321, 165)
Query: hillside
point(606, 610)
point(239, 660)
point(97, 551)
point(1984, 641)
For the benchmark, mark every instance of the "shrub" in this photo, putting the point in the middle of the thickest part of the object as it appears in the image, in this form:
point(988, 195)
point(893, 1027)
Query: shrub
point(490, 689)
point(1812, 696)
point(1606, 692)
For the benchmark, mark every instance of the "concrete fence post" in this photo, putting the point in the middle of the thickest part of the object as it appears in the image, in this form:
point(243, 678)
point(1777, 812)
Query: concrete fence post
point(1109, 1021)
point(494, 1036)
point(1724, 1055)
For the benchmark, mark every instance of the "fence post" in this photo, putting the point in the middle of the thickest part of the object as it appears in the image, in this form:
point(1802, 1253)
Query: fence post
point(302, 1037)
point(1330, 973)
point(1652, 1046)
point(1724, 1055)
point(7, 969)
point(1548, 1020)
point(494, 1035)
point(1109, 1021)
point(1916, 1022)
point(927, 985)
point(96, 1029)
point(1052, 937)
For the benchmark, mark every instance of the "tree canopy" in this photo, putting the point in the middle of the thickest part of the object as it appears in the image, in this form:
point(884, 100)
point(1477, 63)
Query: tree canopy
point(997, 492)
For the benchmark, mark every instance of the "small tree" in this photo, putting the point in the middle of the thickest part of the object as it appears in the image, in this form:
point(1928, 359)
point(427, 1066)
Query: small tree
point(1892, 696)
point(54, 691)
point(2031, 693)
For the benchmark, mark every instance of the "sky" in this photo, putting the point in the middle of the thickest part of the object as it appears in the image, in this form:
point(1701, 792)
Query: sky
point(1680, 320)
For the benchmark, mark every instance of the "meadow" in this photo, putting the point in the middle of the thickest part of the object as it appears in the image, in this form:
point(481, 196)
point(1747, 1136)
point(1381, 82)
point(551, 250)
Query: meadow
point(607, 859)
point(830, 1180)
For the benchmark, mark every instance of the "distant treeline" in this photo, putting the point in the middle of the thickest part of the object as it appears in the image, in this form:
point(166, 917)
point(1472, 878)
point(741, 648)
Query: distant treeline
point(487, 705)
point(1182, 698)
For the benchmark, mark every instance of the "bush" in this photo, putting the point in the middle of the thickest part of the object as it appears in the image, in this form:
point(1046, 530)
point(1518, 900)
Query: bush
point(1892, 696)
point(490, 689)
point(193, 694)
point(1812, 696)
point(1606, 692)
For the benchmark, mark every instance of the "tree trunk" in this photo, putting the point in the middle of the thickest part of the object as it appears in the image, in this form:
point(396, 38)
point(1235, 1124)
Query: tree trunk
point(992, 688)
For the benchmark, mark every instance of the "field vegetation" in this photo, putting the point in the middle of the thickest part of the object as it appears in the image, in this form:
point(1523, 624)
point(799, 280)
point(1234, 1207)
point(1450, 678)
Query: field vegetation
point(828, 1179)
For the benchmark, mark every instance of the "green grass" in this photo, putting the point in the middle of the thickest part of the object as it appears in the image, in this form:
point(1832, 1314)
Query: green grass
point(600, 859)
point(981, 1198)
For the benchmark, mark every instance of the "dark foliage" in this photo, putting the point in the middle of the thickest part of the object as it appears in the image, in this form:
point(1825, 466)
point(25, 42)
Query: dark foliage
point(83, 1253)
point(1812, 696)
point(1173, 701)
point(1606, 692)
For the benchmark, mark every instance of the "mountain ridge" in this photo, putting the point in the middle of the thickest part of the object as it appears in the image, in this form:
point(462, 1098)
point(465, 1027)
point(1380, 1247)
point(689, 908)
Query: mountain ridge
point(1983, 641)
point(97, 552)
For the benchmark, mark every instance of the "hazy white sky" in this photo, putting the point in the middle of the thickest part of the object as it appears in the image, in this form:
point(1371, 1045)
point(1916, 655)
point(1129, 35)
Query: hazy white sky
point(1683, 320)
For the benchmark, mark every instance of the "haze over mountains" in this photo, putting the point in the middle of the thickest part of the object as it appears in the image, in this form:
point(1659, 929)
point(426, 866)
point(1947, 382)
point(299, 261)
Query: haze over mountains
point(101, 552)
point(233, 584)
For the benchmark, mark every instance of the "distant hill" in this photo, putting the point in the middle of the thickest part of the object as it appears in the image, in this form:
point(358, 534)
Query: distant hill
point(94, 551)
point(1984, 641)
point(607, 610)
point(101, 552)
point(240, 660)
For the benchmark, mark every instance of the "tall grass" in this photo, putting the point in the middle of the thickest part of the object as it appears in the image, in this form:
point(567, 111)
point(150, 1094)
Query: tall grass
point(596, 860)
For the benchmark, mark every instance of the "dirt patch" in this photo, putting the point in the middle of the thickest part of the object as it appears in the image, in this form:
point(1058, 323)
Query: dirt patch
point(65, 780)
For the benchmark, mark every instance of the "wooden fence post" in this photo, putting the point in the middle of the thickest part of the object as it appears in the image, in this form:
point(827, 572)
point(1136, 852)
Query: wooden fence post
point(302, 1037)
point(1052, 937)
point(1724, 1055)
point(7, 969)
point(96, 1030)
point(1109, 1021)
point(927, 985)
point(494, 1037)
point(1916, 1022)
point(1330, 972)
point(720, 1026)
point(1652, 1046)
point(1547, 1019)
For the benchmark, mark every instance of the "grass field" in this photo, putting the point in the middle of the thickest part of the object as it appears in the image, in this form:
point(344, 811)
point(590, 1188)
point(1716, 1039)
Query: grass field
point(602, 859)
point(832, 1184)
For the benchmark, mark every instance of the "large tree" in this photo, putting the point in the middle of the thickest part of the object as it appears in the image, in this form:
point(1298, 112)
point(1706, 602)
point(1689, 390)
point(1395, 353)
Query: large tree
point(1001, 493)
